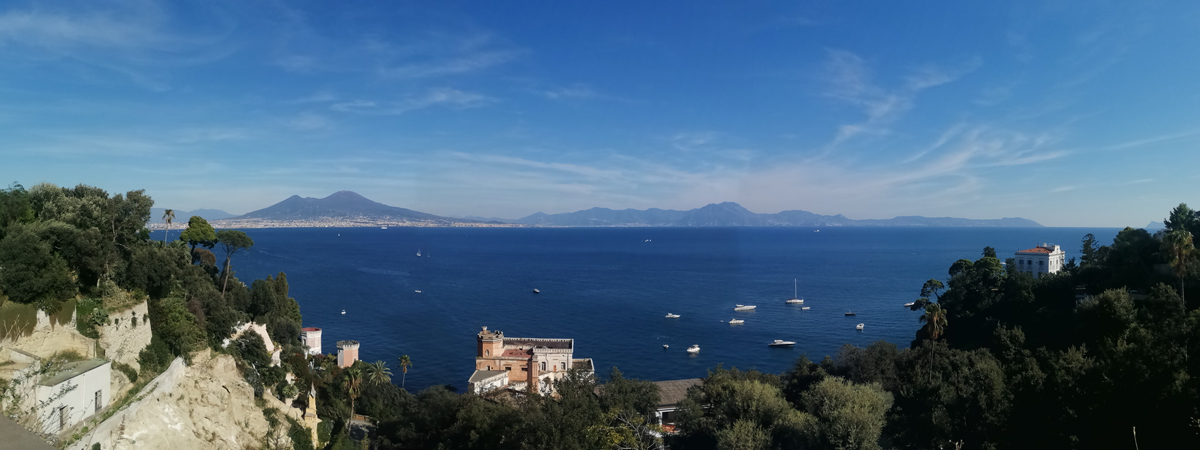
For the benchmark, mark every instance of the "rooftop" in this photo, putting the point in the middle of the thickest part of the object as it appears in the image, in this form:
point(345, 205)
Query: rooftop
point(310, 329)
point(584, 364)
point(72, 370)
point(515, 353)
point(539, 342)
point(481, 375)
point(1036, 250)
point(671, 392)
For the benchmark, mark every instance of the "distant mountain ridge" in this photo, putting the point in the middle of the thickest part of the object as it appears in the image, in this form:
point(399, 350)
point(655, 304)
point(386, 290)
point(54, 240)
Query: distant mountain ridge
point(183, 216)
point(339, 205)
point(730, 214)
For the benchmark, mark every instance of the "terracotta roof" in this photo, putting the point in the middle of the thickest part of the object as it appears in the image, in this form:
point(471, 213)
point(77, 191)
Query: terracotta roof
point(671, 392)
point(310, 329)
point(1036, 250)
point(515, 353)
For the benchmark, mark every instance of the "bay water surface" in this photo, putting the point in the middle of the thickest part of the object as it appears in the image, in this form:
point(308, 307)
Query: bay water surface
point(610, 288)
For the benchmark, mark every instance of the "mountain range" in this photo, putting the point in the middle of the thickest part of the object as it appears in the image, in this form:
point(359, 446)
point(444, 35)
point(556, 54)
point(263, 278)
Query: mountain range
point(729, 214)
point(339, 205)
point(348, 206)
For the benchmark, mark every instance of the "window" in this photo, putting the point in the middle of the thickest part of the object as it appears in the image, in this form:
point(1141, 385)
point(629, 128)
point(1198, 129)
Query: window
point(487, 353)
point(488, 367)
point(99, 397)
point(543, 366)
point(509, 368)
point(564, 366)
point(1021, 262)
point(1039, 263)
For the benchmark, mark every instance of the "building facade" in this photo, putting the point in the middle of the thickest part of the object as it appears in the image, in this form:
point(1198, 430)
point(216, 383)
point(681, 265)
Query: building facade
point(310, 337)
point(347, 353)
point(1043, 259)
point(77, 391)
point(528, 364)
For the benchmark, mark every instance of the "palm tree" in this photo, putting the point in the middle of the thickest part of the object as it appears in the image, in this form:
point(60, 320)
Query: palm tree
point(934, 320)
point(377, 373)
point(168, 216)
point(353, 385)
point(405, 363)
point(1182, 250)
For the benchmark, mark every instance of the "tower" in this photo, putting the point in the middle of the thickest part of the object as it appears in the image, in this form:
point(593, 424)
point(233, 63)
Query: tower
point(490, 343)
point(347, 353)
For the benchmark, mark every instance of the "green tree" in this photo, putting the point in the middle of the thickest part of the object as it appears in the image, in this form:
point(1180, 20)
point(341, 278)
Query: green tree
point(932, 287)
point(353, 384)
point(934, 320)
point(405, 363)
point(989, 252)
point(377, 373)
point(232, 241)
point(1087, 251)
point(199, 233)
point(1182, 218)
point(1181, 251)
point(30, 271)
point(15, 207)
point(168, 217)
point(848, 416)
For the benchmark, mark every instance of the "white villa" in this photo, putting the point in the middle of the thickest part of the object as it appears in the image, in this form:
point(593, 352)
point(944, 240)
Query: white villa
point(1045, 258)
point(522, 364)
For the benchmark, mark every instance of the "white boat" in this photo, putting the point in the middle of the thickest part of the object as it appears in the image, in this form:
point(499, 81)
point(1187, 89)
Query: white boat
point(910, 304)
point(417, 292)
point(744, 307)
point(535, 291)
point(795, 300)
point(343, 312)
point(859, 327)
point(816, 231)
point(672, 316)
point(418, 252)
point(736, 321)
point(665, 346)
point(383, 227)
point(694, 349)
point(805, 308)
point(781, 343)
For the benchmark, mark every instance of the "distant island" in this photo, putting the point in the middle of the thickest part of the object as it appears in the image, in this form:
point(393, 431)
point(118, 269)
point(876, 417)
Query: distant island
point(349, 209)
point(729, 214)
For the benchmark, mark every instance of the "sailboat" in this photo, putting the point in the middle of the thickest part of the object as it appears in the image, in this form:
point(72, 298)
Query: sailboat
point(418, 253)
point(795, 300)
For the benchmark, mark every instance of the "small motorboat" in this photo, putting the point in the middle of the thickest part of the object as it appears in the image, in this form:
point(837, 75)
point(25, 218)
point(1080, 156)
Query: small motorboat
point(781, 343)
point(535, 291)
point(418, 253)
point(672, 316)
point(816, 231)
point(383, 227)
point(805, 308)
point(858, 327)
point(851, 313)
point(343, 312)
point(693, 349)
point(665, 346)
point(736, 321)
point(417, 292)
point(744, 307)
point(910, 304)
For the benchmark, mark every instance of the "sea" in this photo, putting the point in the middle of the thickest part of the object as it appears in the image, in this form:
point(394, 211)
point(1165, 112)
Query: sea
point(610, 289)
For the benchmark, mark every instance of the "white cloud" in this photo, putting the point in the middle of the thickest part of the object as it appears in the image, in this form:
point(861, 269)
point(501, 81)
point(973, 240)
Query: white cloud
point(445, 97)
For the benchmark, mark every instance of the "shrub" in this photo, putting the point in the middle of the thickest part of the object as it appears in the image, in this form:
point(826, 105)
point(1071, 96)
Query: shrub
point(127, 370)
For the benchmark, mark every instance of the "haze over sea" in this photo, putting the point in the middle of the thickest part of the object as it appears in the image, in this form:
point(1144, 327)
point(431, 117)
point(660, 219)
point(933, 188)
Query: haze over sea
point(609, 289)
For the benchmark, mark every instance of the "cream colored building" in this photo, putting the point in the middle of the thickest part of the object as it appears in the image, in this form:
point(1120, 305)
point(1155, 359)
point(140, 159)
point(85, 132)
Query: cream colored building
point(1043, 259)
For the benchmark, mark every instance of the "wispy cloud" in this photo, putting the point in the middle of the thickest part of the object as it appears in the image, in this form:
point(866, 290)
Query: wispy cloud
point(1063, 189)
point(850, 80)
point(1169, 137)
point(575, 91)
point(445, 97)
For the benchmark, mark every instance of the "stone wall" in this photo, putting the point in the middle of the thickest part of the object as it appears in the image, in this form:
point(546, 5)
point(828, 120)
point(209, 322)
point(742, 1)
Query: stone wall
point(121, 339)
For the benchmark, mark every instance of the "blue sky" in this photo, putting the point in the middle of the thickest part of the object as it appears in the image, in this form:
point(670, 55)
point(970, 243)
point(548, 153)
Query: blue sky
point(1068, 113)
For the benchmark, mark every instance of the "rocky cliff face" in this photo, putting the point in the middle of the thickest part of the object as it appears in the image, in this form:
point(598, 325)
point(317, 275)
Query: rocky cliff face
point(203, 406)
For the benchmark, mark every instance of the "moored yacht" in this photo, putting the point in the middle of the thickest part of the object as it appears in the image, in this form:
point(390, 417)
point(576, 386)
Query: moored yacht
point(851, 313)
point(858, 327)
point(744, 307)
point(535, 291)
point(672, 316)
point(736, 321)
point(781, 343)
point(693, 349)
point(910, 304)
point(795, 300)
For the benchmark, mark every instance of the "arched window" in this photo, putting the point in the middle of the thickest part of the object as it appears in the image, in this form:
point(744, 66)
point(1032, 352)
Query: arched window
point(564, 366)
point(487, 353)
point(543, 366)
point(488, 367)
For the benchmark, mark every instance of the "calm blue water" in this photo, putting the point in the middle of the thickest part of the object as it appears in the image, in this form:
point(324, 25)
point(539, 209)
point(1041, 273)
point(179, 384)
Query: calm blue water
point(609, 289)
